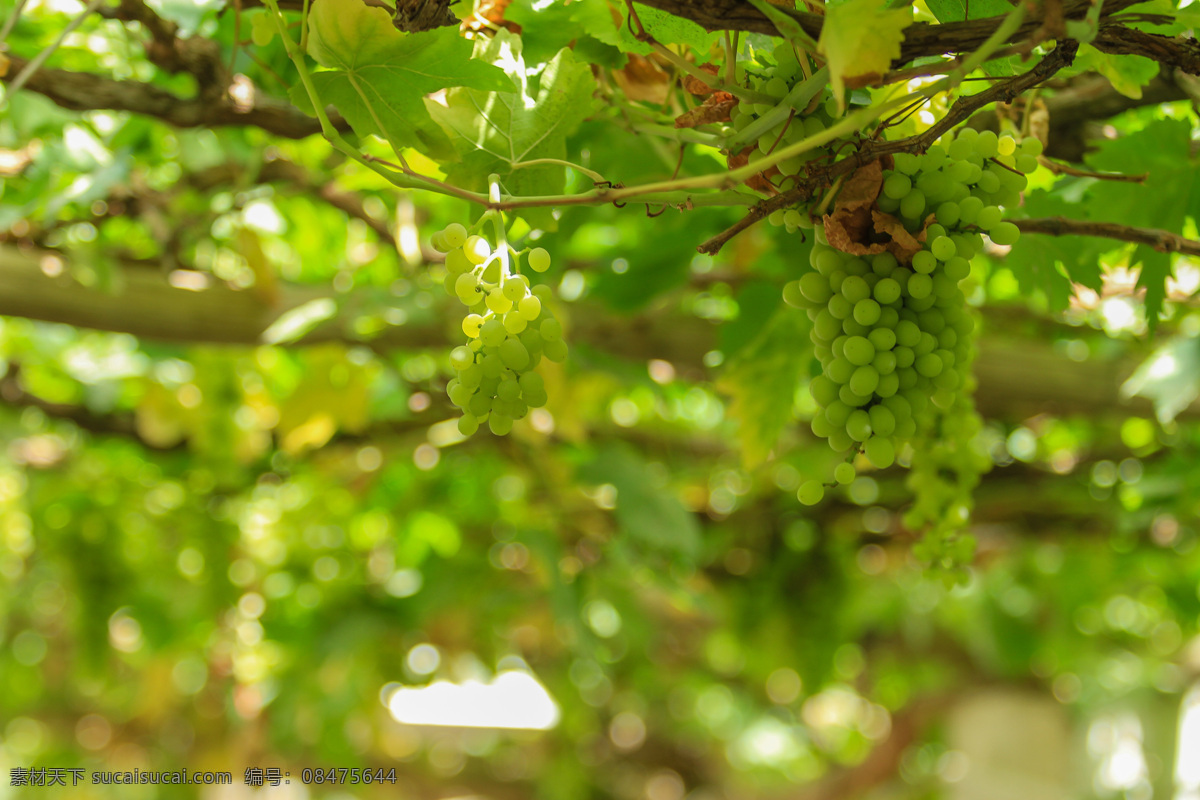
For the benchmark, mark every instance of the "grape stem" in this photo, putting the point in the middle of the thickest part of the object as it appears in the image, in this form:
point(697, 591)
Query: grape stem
point(535, 162)
point(730, 58)
point(497, 218)
point(795, 100)
point(1160, 240)
point(714, 83)
point(36, 63)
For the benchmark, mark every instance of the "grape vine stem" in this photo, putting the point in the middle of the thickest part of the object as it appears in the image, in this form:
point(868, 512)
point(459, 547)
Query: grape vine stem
point(36, 62)
point(818, 175)
point(1160, 240)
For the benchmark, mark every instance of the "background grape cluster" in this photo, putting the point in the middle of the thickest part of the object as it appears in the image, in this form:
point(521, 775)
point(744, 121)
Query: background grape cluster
point(509, 328)
point(894, 339)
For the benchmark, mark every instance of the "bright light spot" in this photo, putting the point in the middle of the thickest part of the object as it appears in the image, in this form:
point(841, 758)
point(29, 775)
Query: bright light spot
point(1022, 443)
point(241, 92)
point(512, 700)
point(124, 632)
point(1116, 742)
point(262, 215)
point(423, 659)
point(783, 686)
point(426, 456)
point(661, 372)
point(624, 412)
point(1187, 765)
point(1163, 366)
point(1119, 314)
point(445, 433)
point(542, 420)
point(404, 583)
point(768, 741)
point(603, 618)
point(572, 285)
point(188, 279)
point(665, 785)
point(369, 458)
point(627, 731)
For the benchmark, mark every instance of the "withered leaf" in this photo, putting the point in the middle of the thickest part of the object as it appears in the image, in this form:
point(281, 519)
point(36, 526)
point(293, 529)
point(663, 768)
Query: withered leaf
point(759, 182)
point(694, 85)
point(716, 108)
point(858, 227)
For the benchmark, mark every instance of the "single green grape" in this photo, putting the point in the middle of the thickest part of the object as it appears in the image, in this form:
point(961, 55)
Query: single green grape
point(810, 493)
point(538, 259)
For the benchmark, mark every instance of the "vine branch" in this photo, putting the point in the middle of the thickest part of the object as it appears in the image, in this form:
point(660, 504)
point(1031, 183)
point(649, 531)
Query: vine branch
point(1160, 240)
point(824, 175)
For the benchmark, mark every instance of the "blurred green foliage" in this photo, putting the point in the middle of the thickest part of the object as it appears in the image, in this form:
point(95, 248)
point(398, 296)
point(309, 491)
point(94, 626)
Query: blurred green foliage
point(218, 555)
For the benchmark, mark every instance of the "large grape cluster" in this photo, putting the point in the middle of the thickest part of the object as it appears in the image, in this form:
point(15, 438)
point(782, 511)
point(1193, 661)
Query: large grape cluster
point(509, 328)
point(894, 339)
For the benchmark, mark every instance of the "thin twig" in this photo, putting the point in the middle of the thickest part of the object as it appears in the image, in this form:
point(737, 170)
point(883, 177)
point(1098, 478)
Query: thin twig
point(1160, 240)
point(926, 70)
point(708, 80)
point(758, 212)
point(1058, 168)
point(963, 108)
point(11, 22)
point(15, 85)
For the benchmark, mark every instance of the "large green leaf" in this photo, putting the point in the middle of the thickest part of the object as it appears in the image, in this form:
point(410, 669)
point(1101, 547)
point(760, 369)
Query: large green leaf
point(956, 10)
point(1169, 378)
point(378, 77)
point(646, 512)
point(1168, 196)
point(861, 37)
point(762, 382)
point(496, 131)
point(666, 28)
point(1127, 73)
point(1049, 263)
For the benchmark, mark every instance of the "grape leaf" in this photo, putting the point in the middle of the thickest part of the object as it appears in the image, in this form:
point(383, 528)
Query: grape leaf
point(646, 512)
point(1168, 195)
point(762, 382)
point(956, 10)
point(1127, 73)
point(187, 14)
point(664, 27)
point(586, 26)
point(861, 37)
point(496, 131)
point(1169, 378)
point(379, 76)
point(1035, 260)
point(788, 27)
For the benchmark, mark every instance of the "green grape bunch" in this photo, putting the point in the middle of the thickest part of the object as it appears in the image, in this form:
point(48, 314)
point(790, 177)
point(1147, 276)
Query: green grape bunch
point(894, 340)
point(509, 328)
point(804, 107)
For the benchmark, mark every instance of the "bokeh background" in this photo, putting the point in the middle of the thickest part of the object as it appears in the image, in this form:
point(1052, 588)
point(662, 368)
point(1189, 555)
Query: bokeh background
point(238, 527)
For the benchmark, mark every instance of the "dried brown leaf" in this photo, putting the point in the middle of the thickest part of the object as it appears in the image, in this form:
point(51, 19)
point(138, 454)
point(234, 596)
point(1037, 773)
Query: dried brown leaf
point(641, 79)
point(760, 182)
point(716, 108)
point(694, 85)
point(858, 227)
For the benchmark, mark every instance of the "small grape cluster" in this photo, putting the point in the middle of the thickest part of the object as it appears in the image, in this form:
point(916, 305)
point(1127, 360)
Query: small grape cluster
point(894, 340)
point(509, 328)
point(779, 75)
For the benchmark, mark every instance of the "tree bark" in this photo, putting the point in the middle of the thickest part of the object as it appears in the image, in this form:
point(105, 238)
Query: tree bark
point(1018, 377)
